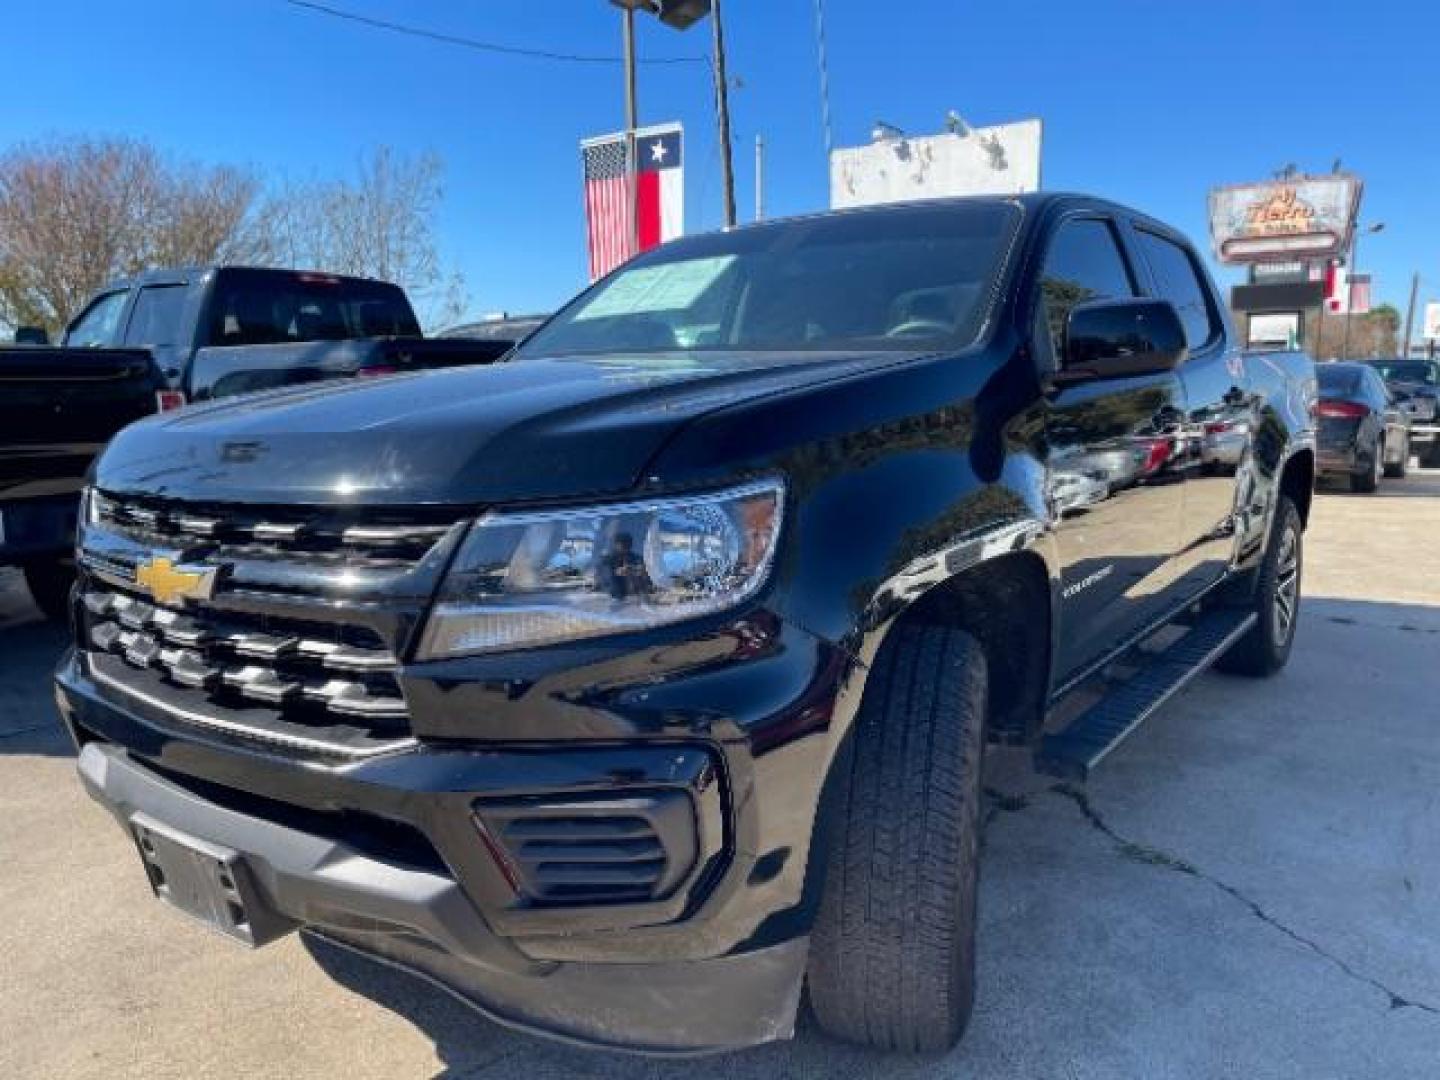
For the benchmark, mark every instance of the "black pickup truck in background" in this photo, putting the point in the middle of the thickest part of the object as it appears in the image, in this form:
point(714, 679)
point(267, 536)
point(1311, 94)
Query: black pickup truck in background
point(222, 330)
point(58, 408)
point(630, 684)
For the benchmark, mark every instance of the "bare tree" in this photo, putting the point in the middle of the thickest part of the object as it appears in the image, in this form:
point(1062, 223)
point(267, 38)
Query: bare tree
point(379, 222)
point(77, 213)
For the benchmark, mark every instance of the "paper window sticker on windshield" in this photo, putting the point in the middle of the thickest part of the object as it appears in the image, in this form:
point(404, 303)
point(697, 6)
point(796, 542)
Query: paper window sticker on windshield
point(668, 287)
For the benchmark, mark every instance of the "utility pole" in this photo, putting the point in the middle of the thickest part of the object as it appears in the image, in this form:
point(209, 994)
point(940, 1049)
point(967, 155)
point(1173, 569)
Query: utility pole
point(1410, 315)
point(722, 115)
point(760, 185)
point(632, 186)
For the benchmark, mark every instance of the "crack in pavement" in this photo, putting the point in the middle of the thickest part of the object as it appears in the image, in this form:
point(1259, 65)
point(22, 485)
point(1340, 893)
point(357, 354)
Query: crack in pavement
point(1155, 857)
point(17, 732)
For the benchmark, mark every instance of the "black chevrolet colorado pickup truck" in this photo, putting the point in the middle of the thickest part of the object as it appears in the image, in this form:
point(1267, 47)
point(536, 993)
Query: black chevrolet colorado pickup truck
point(625, 688)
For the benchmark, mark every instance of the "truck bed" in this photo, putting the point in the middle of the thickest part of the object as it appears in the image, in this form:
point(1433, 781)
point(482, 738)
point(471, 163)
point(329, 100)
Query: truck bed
point(58, 409)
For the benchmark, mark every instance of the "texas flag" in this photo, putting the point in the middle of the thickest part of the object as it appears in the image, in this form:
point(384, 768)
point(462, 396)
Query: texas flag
point(628, 213)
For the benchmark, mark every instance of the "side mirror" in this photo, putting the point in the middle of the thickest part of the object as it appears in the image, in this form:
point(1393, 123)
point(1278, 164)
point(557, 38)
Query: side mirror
point(1114, 339)
point(31, 335)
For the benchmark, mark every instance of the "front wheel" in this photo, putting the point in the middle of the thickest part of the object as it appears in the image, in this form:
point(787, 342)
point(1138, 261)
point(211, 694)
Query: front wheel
point(892, 956)
point(1265, 648)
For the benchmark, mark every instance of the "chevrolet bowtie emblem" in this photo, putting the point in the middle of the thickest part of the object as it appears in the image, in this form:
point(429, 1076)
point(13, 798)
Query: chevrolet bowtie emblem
point(170, 584)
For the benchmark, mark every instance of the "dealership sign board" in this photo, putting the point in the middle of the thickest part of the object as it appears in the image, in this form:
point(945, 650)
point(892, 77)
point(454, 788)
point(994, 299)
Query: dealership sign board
point(1306, 217)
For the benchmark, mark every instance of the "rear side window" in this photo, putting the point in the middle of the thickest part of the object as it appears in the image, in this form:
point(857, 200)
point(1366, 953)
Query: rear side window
point(1179, 282)
point(100, 323)
point(1083, 263)
point(274, 310)
point(155, 319)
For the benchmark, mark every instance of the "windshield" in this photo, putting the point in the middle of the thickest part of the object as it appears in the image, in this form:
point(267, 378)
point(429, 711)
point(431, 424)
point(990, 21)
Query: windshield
point(1413, 371)
point(910, 278)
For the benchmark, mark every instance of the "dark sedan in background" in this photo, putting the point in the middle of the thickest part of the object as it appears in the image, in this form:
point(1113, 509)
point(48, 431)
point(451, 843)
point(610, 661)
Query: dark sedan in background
point(1363, 434)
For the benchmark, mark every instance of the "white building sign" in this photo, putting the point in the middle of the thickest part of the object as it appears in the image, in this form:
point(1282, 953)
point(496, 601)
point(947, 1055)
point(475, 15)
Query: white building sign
point(1432, 322)
point(1001, 160)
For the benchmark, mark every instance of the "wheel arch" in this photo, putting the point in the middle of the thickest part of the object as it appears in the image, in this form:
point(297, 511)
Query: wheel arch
point(1005, 604)
point(1297, 482)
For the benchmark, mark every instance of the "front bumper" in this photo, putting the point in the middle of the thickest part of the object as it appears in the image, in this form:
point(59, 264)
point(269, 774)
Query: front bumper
point(392, 855)
point(422, 920)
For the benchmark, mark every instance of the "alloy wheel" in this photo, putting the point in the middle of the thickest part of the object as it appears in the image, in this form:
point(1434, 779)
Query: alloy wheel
point(1287, 585)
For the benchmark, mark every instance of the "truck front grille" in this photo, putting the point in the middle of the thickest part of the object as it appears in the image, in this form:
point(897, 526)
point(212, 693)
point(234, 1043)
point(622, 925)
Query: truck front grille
point(298, 643)
point(317, 537)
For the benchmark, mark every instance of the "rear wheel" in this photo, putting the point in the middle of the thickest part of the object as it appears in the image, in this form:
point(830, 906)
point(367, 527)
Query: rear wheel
point(892, 957)
point(1367, 479)
point(49, 584)
point(1432, 455)
point(1265, 648)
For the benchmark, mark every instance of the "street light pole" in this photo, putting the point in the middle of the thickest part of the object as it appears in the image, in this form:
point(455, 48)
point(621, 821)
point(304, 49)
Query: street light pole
point(682, 14)
point(632, 187)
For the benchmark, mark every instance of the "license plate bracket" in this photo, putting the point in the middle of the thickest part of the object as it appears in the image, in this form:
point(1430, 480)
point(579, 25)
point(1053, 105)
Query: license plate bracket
point(208, 882)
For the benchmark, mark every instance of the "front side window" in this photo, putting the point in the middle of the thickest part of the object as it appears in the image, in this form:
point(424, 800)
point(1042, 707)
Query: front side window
point(1083, 263)
point(1179, 282)
point(911, 278)
point(99, 323)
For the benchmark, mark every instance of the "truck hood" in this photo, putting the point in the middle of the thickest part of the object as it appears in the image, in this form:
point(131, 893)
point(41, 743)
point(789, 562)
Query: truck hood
point(529, 430)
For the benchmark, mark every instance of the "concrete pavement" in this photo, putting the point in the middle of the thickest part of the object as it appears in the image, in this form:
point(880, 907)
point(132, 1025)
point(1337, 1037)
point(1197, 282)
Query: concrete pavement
point(1249, 888)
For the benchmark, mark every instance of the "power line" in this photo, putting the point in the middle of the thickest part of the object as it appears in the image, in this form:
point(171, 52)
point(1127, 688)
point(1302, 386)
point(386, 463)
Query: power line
point(481, 46)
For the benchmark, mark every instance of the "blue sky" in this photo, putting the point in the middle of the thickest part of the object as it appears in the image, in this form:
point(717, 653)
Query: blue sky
point(1150, 102)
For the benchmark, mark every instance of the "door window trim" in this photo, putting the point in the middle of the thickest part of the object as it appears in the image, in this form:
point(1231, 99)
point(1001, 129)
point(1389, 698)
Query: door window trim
point(1038, 322)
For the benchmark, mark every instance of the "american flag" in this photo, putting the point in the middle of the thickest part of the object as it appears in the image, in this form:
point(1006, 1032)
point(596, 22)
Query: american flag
point(622, 220)
point(608, 202)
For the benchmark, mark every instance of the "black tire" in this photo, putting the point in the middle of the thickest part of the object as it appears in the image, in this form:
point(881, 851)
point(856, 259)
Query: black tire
point(1368, 478)
point(1397, 470)
point(892, 956)
point(49, 584)
point(1432, 456)
point(1265, 648)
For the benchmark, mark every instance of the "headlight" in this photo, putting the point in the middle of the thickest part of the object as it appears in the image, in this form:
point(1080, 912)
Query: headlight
point(522, 580)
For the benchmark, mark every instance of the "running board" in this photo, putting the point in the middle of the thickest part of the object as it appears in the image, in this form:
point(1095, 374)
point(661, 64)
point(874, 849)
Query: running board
point(1074, 752)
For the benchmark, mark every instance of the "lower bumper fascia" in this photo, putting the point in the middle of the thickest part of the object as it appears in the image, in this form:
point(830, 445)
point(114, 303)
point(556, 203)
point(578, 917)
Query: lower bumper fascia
point(675, 1009)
